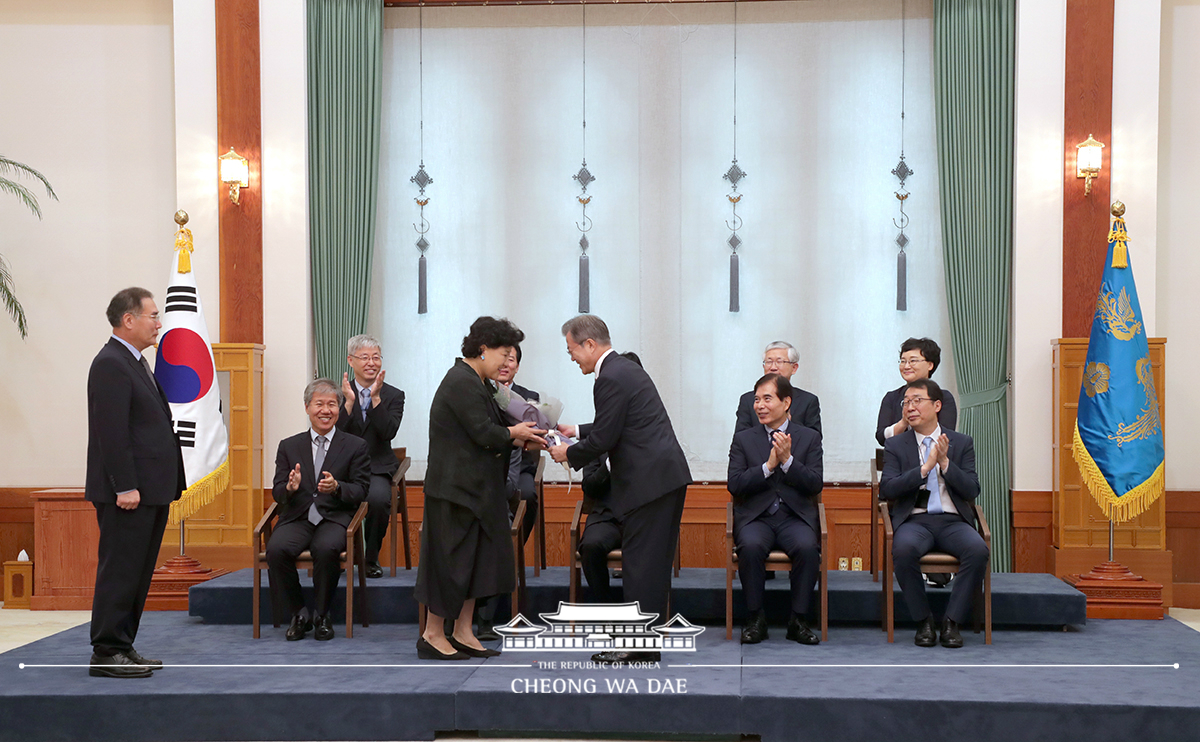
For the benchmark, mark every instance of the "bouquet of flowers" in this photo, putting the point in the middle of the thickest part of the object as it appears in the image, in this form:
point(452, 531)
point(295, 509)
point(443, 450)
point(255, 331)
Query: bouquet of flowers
point(544, 414)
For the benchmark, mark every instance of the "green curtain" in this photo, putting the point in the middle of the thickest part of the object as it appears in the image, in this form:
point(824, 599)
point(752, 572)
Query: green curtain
point(974, 73)
point(345, 89)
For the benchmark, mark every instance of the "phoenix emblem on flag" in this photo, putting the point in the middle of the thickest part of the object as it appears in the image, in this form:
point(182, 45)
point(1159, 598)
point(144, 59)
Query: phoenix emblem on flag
point(1147, 423)
point(1117, 314)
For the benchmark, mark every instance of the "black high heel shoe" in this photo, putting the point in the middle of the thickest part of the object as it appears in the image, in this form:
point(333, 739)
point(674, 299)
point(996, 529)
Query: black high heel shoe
point(472, 651)
point(426, 651)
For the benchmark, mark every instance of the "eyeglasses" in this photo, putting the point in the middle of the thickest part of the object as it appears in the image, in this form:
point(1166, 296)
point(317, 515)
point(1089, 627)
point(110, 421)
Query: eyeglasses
point(772, 363)
point(369, 359)
point(910, 362)
point(913, 401)
point(153, 317)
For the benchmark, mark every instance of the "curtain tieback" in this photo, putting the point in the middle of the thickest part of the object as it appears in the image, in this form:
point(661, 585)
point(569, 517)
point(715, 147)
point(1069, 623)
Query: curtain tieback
point(987, 396)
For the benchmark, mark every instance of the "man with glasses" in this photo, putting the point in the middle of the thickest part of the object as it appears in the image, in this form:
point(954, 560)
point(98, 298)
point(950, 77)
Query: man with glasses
point(134, 473)
point(372, 411)
point(929, 478)
point(783, 359)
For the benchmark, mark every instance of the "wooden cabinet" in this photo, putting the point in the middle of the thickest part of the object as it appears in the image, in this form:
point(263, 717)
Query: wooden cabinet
point(1079, 530)
point(66, 537)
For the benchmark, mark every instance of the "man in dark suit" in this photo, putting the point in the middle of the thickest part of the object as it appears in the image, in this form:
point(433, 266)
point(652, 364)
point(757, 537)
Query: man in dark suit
point(134, 473)
point(648, 469)
point(321, 477)
point(602, 533)
point(783, 359)
point(527, 469)
point(372, 411)
point(775, 476)
point(929, 477)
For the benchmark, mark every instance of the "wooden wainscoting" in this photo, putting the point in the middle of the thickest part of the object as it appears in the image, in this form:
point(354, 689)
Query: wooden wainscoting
point(1183, 539)
point(1032, 529)
point(16, 522)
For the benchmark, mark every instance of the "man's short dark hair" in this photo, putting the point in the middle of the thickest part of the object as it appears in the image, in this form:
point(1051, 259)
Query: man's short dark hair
point(929, 350)
point(490, 332)
point(783, 387)
point(127, 301)
point(929, 386)
point(517, 350)
point(632, 356)
point(586, 327)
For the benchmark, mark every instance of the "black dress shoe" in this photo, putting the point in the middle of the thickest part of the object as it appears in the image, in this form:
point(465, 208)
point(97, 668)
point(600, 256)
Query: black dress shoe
point(487, 632)
point(756, 628)
point(138, 659)
point(426, 651)
point(926, 635)
point(298, 628)
point(374, 570)
point(324, 628)
point(619, 657)
point(116, 666)
point(468, 649)
point(798, 631)
point(950, 635)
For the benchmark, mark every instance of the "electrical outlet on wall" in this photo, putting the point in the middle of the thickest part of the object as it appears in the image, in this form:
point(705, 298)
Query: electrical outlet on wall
point(843, 563)
point(856, 564)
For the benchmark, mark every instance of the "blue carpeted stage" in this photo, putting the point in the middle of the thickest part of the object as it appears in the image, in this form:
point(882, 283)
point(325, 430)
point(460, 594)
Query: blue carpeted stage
point(1025, 600)
point(1109, 680)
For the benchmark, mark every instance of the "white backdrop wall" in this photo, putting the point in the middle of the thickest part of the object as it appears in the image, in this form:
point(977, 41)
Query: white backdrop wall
point(818, 132)
point(89, 101)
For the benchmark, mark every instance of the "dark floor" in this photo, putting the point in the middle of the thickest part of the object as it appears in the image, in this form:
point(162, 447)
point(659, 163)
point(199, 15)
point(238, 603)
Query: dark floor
point(1108, 680)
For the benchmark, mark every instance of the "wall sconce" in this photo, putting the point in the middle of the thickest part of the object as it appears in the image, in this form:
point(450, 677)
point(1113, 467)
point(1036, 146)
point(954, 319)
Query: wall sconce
point(1087, 162)
point(235, 172)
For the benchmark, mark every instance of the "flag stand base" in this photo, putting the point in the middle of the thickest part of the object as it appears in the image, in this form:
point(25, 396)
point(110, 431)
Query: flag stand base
point(1113, 591)
point(170, 583)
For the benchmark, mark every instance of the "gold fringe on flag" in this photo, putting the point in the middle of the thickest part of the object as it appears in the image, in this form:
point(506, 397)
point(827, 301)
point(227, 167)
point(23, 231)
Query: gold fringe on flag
point(200, 494)
point(1129, 505)
point(183, 243)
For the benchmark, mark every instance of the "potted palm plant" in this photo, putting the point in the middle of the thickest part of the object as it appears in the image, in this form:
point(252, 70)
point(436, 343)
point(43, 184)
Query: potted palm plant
point(29, 198)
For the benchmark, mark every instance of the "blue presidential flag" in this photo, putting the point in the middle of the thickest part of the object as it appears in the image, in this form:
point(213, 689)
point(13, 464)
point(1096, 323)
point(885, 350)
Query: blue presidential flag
point(1118, 433)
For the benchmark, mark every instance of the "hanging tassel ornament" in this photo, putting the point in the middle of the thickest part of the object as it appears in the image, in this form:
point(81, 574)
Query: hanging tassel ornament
point(584, 177)
point(422, 180)
point(902, 171)
point(734, 174)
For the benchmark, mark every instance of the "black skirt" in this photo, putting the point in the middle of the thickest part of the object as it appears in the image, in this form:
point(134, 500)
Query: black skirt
point(462, 557)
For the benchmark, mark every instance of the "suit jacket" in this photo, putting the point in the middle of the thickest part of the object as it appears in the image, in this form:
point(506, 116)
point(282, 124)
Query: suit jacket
point(798, 487)
point(890, 412)
point(379, 428)
point(131, 439)
point(346, 460)
point(805, 410)
point(633, 428)
point(529, 459)
point(469, 444)
point(902, 481)
point(596, 486)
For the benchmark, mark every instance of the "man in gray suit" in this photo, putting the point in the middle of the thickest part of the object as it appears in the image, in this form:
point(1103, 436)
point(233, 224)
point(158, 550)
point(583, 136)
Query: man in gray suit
point(649, 475)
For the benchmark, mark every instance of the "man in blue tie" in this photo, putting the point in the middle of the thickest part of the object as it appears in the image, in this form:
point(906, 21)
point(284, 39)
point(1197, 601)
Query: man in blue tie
point(775, 476)
point(929, 477)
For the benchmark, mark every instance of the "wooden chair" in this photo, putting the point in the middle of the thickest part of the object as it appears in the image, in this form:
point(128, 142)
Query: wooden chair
point(400, 504)
point(539, 524)
point(777, 561)
point(518, 542)
point(614, 556)
point(876, 471)
point(934, 562)
point(354, 555)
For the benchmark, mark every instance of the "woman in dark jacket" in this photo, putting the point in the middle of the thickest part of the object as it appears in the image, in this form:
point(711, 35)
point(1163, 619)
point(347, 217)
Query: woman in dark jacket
point(919, 358)
point(466, 552)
